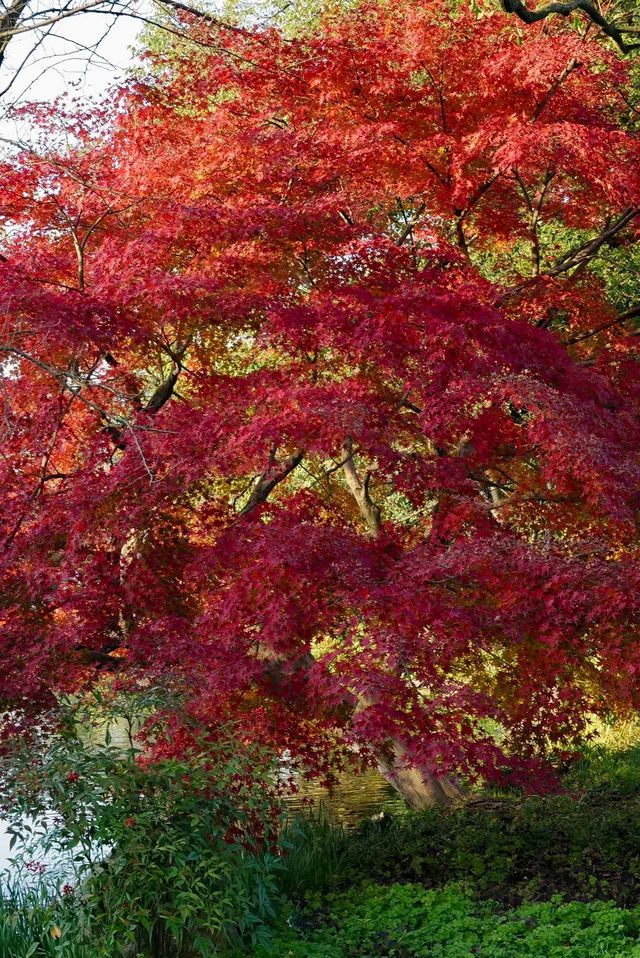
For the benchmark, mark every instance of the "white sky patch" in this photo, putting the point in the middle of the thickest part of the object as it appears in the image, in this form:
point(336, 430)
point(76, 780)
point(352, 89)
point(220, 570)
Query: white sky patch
point(83, 55)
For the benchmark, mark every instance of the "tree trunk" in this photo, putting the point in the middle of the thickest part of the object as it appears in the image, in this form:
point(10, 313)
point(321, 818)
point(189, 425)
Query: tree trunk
point(418, 789)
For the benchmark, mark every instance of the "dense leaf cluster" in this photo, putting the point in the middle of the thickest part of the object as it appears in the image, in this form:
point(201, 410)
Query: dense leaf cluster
point(289, 418)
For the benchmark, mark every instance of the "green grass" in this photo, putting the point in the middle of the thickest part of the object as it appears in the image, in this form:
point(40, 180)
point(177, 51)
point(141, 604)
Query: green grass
point(316, 848)
point(610, 765)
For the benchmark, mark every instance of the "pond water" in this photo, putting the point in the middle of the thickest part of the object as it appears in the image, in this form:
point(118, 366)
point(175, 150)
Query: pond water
point(354, 798)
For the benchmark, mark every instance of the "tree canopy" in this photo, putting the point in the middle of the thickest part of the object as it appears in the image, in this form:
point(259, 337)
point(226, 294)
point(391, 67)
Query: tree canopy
point(315, 403)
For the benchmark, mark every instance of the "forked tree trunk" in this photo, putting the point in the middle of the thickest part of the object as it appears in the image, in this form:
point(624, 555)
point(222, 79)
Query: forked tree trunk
point(419, 790)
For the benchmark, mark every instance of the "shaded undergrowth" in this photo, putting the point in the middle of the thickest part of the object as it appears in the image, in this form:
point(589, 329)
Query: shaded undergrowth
point(583, 843)
point(500, 875)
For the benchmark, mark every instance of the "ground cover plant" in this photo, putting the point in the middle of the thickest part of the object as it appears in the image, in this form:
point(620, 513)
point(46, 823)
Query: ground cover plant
point(407, 921)
point(582, 843)
point(499, 871)
point(508, 850)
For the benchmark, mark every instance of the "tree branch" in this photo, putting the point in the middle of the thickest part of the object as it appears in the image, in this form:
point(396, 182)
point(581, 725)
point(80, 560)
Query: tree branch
point(165, 390)
point(622, 318)
point(565, 9)
point(360, 490)
point(269, 479)
point(580, 256)
point(8, 23)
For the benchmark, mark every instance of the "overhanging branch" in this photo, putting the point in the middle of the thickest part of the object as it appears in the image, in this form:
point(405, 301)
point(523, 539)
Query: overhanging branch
point(565, 8)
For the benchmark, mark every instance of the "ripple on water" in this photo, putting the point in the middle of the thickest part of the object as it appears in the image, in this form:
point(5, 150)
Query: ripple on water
point(354, 798)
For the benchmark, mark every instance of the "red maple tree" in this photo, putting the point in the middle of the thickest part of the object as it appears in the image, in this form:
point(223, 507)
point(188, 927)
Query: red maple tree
point(302, 408)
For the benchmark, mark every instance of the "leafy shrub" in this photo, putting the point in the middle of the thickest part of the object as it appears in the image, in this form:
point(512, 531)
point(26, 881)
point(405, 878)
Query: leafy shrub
point(409, 921)
point(174, 856)
point(610, 764)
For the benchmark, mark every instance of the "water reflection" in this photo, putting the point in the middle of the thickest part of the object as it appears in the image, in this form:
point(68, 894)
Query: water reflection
point(354, 798)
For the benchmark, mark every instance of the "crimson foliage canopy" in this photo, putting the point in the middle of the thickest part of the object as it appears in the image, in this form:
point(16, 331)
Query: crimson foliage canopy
point(312, 402)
